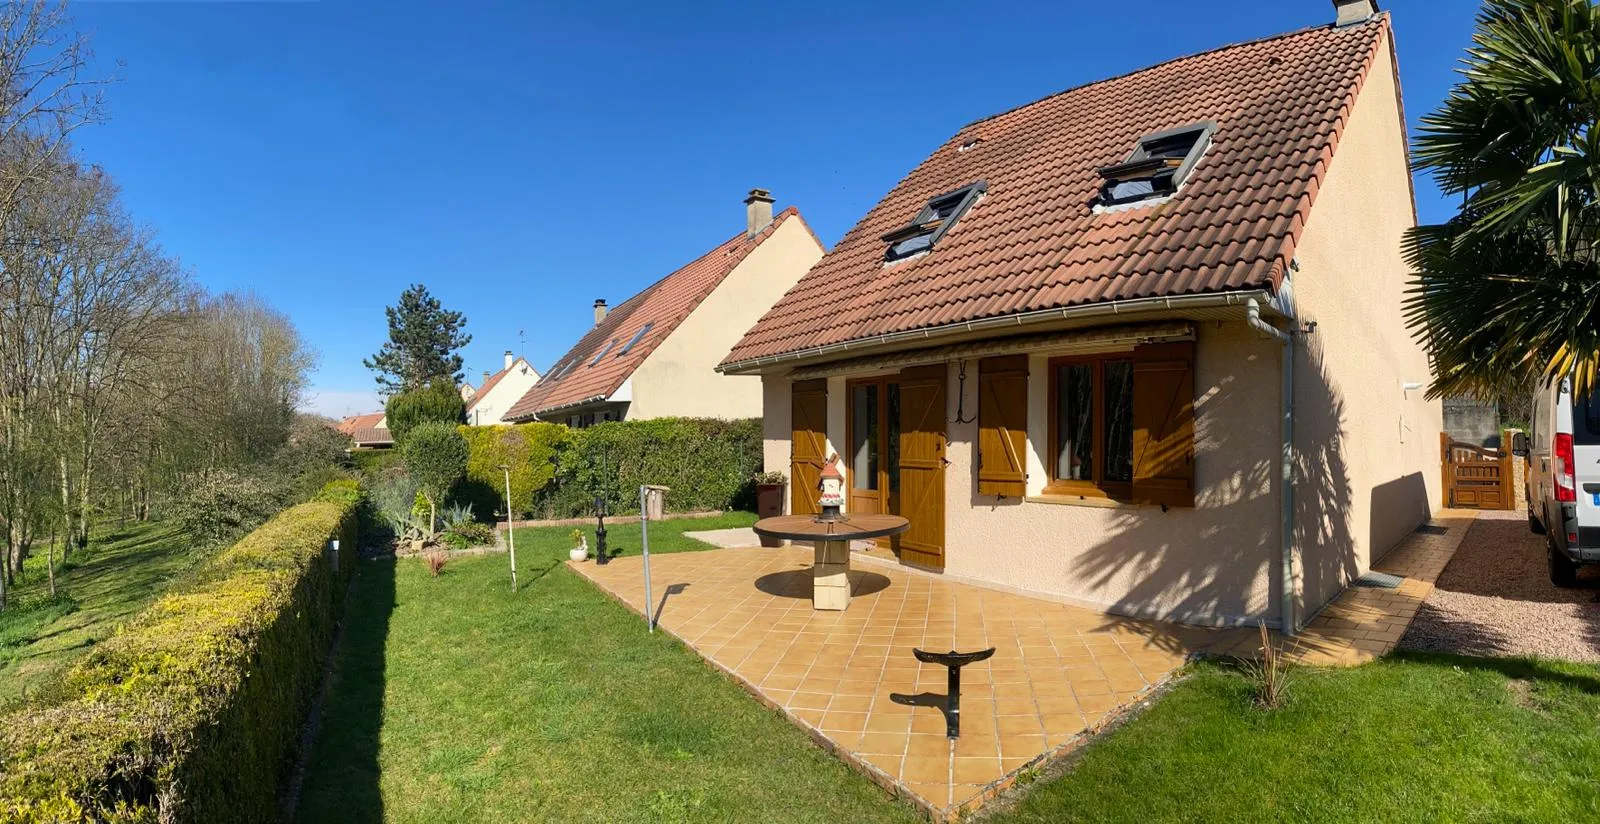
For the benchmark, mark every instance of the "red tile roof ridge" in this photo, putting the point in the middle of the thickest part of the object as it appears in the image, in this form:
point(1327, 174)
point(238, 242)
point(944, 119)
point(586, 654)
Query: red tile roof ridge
point(1382, 17)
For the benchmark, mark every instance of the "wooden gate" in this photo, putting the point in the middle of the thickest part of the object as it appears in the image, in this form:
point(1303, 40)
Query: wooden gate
point(1476, 477)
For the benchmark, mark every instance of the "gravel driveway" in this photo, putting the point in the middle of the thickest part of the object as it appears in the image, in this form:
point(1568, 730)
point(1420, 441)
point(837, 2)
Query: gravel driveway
point(1495, 598)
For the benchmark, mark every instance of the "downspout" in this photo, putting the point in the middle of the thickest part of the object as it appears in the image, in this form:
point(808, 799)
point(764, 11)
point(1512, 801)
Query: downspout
point(1286, 490)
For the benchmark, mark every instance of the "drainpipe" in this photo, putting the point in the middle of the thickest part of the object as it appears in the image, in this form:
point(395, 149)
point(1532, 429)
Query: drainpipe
point(1286, 496)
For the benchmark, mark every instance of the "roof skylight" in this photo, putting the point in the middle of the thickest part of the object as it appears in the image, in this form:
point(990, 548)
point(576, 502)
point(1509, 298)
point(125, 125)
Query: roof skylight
point(603, 353)
point(932, 222)
point(635, 339)
point(1160, 163)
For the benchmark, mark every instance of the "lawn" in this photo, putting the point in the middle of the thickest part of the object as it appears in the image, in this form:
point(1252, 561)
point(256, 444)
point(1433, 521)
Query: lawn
point(119, 573)
point(455, 700)
point(1409, 738)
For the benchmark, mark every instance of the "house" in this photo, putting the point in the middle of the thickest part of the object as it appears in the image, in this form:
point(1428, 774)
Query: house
point(1075, 344)
point(489, 403)
point(369, 431)
point(655, 354)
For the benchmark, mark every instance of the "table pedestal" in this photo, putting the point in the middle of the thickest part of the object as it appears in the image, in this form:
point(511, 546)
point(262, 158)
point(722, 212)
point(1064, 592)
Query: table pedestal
point(830, 575)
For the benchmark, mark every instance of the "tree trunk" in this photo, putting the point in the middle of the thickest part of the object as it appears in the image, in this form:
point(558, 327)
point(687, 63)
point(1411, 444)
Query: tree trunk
point(50, 564)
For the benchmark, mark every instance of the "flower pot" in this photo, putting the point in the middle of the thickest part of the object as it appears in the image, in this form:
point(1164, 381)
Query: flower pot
point(769, 504)
point(579, 552)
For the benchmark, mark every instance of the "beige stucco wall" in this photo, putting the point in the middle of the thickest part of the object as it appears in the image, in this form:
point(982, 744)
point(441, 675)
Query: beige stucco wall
point(503, 395)
point(1214, 564)
point(679, 378)
point(1369, 448)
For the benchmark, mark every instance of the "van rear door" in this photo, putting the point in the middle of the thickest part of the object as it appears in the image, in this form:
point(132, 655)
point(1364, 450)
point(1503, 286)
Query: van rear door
point(1586, 451)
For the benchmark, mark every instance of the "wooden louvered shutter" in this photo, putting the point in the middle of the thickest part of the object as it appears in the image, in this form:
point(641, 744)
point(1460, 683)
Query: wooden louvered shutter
point(1003, 426)
point(1163, 424)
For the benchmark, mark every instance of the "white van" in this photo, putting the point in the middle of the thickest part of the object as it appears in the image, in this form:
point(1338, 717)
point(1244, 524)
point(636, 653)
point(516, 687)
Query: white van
point(1563, 452)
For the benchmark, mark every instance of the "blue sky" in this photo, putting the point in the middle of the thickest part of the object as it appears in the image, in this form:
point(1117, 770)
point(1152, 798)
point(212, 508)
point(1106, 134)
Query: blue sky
point(523, 159)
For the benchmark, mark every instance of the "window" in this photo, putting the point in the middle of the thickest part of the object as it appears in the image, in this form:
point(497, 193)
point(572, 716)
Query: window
point(1160, 163)
point(1586, 420)
point(1091, 426)
point(637, 336)
point(932, 222)
point(864, 437)
point(602, 353)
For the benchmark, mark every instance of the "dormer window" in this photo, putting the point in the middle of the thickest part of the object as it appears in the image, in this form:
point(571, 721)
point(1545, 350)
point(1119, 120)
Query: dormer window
point(932, 222)
point(1159, 165)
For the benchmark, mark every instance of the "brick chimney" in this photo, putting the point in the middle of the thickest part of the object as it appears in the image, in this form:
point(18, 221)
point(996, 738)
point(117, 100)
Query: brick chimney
point(758, 211)
point(1351, 12)
point(510, 358)
point(600, 311)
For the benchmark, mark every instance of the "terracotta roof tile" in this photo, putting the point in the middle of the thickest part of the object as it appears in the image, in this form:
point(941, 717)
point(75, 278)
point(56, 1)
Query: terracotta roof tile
point(663, 305)
point(1033, 242)
point(350, 425)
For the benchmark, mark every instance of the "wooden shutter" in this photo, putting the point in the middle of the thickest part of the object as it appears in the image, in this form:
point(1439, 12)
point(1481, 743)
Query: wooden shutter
point(807, 445)
point(1003, 426)
point(1163, 424)
point(921, 465)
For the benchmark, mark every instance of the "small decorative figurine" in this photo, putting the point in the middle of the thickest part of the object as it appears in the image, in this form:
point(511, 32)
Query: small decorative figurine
point(832, 485)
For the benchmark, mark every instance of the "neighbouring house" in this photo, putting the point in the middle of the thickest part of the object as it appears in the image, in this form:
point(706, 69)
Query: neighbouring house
point(369, 431)
point(489, 403)
point(655, 354)
point(1060, 345)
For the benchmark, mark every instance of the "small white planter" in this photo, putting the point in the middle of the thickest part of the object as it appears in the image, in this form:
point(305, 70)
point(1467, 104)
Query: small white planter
point(579, 552)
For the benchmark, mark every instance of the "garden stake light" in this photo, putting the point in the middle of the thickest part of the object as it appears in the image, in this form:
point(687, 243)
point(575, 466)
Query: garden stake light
point(511, 534)
point(644, 544)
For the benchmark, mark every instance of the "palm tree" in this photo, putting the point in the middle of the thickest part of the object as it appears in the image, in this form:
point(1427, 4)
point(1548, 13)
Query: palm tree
point(1510, 287)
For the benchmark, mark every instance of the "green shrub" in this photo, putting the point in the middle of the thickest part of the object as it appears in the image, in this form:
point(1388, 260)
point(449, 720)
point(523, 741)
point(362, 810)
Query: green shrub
point(530, 450)
point(220, 505)
point(708, 463)
point(438, 401)
point(436, 457)
point(370, 462)
point(189, 712)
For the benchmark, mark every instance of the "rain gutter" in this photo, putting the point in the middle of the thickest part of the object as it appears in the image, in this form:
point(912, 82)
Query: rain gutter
point(1113, 309)
point(1286, 490)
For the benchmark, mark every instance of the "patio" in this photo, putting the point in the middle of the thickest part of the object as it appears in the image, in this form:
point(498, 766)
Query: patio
point(1059, 672)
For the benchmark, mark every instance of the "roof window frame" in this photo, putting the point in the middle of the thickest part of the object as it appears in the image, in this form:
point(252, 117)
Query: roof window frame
point(1140, 161)
point(634, 341)
point(603, 353)
point(927, 223)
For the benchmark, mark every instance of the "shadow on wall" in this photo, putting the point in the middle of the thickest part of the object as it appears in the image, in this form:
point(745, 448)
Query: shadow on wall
point(1398, 508)
point(1207, 572)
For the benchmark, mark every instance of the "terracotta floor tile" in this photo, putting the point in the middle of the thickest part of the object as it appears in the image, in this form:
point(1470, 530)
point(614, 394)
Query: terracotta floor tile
point(1056, 668)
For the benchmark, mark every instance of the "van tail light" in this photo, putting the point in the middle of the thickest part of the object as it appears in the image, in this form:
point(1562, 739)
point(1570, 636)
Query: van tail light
point(1565, 470)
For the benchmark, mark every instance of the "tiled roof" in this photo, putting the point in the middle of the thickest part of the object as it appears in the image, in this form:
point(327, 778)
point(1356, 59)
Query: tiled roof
point(663, 305)
point(352, 424)
point(372, 436)
point(489, 384)
point(1034, 241)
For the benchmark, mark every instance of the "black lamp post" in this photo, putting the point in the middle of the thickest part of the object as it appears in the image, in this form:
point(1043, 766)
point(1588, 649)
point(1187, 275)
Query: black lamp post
point(600, 556)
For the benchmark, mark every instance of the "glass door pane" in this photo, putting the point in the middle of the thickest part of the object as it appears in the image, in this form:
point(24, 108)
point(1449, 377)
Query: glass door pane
point(1119, 420)
point(1075, 422)
point(864, 434)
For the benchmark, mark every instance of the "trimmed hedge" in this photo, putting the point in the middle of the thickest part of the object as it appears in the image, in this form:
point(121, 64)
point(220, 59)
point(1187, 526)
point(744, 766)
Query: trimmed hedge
point(189, 712)
point(708, 463)
point(530, 450)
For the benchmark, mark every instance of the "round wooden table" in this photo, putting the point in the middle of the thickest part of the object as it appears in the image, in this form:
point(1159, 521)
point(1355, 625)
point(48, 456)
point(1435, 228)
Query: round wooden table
point(830, 574)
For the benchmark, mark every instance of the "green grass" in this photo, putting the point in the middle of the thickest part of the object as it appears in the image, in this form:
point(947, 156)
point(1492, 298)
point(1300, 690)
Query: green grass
point(455, 700)
point(119, 573)
point(1410, 738)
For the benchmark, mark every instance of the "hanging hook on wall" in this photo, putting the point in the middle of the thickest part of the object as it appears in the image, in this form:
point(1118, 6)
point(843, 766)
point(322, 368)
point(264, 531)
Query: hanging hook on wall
point(961, 396)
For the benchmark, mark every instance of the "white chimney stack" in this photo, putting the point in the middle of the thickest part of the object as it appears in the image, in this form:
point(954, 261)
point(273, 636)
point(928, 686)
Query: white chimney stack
point(758, 211)
point(1351, 12)
point(510, 359)
point(599, 311)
